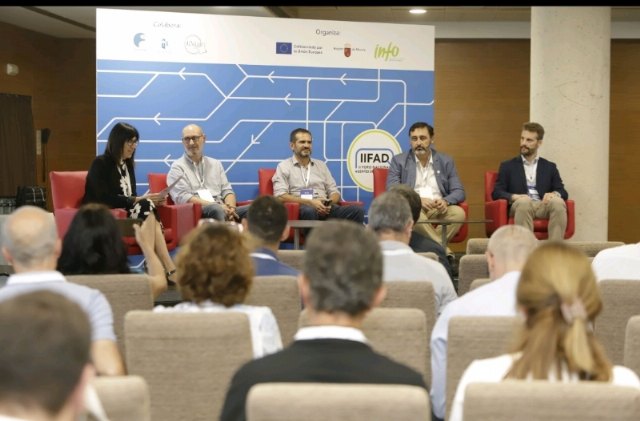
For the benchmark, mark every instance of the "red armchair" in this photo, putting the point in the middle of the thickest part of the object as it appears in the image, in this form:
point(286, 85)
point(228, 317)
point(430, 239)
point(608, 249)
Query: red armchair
point(497, 211)
point(380, 186)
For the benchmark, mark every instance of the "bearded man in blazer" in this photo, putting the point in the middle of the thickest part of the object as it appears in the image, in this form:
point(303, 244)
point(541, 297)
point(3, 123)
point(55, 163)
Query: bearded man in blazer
point(340, 282)
point(532, 185)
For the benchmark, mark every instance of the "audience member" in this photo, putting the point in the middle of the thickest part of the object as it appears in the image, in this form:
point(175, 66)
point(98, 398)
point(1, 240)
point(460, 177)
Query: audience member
point(215, 275)
point(419, 242)
point(434, 176)
point(560, 300)
point(201, 179)
point(390, 218)
point(30, 243)
point(507, 252)
point(93, 245)
point(532, 185)
point(622, 262)
point(308, 181)
point(267, 225)
point(111, 181)
point(44, 358)
point(340, 283)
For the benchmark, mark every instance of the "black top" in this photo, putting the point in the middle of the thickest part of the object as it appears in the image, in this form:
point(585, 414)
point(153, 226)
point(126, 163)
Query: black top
point(103, 184)
point(317, 360)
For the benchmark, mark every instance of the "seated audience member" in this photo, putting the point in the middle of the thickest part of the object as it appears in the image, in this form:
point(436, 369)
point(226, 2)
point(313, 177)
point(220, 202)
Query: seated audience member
point(44, 358)
point(30, 243)
point(391, 219)
point(419, 242)
point(560, 300)
point(215, 275)
point(507, 252)
point(266, 222)
point(622, 262)
point(93, 246)
point(340, 283)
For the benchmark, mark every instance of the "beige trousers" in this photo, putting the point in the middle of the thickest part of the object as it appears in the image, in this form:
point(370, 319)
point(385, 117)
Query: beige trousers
point(525, 210)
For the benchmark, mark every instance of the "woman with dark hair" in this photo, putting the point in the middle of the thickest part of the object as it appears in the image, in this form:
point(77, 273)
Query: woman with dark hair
point(111, 180)
point(560, 299)
point(215, 273)
point(93, 245)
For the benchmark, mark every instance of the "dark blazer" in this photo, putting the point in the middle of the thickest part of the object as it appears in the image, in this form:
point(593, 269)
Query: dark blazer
point(512, 180)
point(268, 267)
point(402, 170)
point(103, 184)
point(318, 360)
point(421, 243)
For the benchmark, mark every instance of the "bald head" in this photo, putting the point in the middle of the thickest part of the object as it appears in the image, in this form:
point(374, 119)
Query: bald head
point(30, 240)
point(508, 249)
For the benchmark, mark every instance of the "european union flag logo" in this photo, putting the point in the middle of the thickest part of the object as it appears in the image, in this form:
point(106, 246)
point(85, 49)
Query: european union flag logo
point(283, 48)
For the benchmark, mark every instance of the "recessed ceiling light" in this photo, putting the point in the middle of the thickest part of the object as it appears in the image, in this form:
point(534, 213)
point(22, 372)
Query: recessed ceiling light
point(418, 11)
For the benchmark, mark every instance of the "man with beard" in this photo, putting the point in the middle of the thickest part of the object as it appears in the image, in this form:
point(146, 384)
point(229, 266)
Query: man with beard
point(308, 182)
point(434, 177)
point(532, 185)
point(201, 179)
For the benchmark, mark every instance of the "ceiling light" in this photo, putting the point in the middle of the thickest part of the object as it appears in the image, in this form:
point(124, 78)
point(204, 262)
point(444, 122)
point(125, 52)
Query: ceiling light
point(418, 11)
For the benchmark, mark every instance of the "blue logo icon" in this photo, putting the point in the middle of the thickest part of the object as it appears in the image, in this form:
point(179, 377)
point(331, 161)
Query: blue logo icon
point(138, 39)
point(283, 48)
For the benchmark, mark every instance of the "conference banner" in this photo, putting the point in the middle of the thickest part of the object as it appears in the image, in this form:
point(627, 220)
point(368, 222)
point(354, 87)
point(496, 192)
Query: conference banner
point(249, 81)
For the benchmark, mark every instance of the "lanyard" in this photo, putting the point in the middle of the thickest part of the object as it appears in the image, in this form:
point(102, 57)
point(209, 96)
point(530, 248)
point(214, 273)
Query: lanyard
point(195, 171)
point(306, 180)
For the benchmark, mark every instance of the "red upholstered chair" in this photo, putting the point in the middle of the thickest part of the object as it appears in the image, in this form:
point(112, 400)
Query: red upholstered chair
point(380, 186)
point(497, 211)
point(67, 190)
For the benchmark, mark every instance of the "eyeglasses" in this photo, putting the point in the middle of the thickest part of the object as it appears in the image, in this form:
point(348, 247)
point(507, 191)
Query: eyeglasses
point(188, 139)
point(132, 142)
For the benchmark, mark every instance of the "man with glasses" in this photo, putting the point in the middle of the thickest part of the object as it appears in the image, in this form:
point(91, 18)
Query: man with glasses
point(196, 178)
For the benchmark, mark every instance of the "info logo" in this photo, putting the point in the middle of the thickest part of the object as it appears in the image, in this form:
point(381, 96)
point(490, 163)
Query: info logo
point(370, 149)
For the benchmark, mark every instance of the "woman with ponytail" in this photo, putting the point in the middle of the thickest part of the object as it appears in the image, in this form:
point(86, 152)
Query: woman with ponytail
point(559, 298)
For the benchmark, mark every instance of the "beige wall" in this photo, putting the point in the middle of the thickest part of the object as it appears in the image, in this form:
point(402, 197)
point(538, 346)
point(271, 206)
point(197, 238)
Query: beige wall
point(481, 91)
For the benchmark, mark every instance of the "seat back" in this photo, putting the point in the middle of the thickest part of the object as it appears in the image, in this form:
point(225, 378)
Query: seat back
point(124, 398)
point(379, 181)
point(414, 294)
point(293, 258)
point(472, 338)
point(540, 400)
point(333, 401)
point(620, 301)
point(125, 292)
point(67, 188)
point(478, 282)
point(265, 185)
point(490, 178)
point(471, 267)
point(158, 182)
point(281, 294)
point(188, 359)
point(398, 333)
point(632, 345)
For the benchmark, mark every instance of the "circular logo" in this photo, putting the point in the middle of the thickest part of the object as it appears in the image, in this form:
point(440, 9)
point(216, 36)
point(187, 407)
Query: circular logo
point(370, 149)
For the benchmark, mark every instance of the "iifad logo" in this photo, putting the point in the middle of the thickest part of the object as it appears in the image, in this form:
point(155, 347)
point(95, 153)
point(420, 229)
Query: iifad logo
point(370, 149)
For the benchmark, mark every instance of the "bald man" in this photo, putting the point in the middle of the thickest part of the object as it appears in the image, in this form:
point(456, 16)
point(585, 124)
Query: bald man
point(201, 179)
point(507, 251)
point(31, 245)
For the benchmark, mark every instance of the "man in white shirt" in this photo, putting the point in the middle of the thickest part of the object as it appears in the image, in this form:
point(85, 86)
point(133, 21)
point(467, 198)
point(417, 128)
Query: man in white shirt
point(30, 243)
point(44, 358)
point(507, 251)
point(622, 262)
point(391, 219)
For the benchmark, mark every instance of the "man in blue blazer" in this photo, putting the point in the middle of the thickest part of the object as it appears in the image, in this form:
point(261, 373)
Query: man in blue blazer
point(532, 185)
point(435, 179)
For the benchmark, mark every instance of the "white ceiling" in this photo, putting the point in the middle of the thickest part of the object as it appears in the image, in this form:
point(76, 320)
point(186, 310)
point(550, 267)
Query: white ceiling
point(80, 21)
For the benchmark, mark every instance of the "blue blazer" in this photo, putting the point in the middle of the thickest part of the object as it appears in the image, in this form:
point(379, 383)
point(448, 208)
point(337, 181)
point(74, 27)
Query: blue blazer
point(512, 180)
point(402, 170)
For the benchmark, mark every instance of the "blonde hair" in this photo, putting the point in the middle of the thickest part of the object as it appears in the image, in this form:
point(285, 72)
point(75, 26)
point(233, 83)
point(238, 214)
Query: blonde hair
point(560, 297)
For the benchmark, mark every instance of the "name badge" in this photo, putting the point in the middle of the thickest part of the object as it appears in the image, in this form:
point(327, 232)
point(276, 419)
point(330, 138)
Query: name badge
point(306, 194)
point(205, 194)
